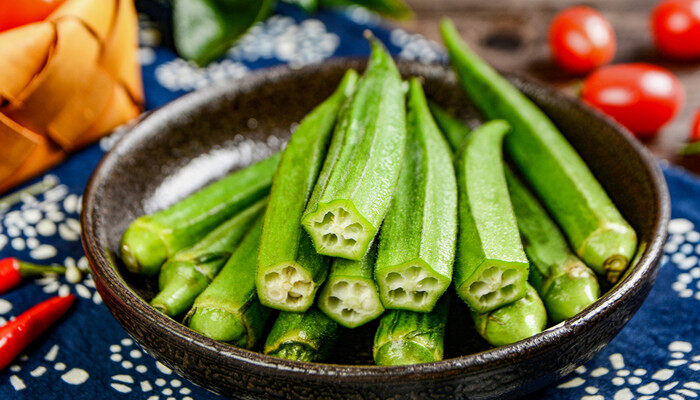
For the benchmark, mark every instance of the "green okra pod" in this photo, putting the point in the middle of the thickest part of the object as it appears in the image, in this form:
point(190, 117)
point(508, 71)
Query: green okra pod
point(417, 240)
point(408, 337)
point(185, 275)
point(491, 268)
point(289, 269)
point(564, 283)
point(152, 239)
point(593, 225)
point(357, 182)
point(455, 131)
point(308, 336)
point(350, 296)
point(513, 322)
point(228, 310)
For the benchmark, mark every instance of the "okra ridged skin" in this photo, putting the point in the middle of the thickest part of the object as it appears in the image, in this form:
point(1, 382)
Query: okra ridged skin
point(151, 239)
point(593, 225)
point(228, 310)
point(455, 131)
point(357, 182)
point(408, 337)
point(184, 276)
point(491, 268)
point(418, 235)
point(350, 297)
point(564, 283)
point(308, 336)
point(513, 322)
point(289, 269)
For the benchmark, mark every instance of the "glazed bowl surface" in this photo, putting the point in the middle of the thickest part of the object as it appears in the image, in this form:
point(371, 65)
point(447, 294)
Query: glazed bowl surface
point(202, 136)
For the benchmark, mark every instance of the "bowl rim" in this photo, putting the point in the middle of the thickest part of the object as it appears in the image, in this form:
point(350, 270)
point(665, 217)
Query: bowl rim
point(110, 280)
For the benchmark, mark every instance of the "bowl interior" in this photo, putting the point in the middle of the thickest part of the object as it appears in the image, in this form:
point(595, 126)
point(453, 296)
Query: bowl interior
point(203, 136)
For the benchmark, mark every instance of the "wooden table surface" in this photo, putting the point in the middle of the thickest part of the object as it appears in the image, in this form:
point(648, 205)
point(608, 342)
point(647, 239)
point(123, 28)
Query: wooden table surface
point(512, 35)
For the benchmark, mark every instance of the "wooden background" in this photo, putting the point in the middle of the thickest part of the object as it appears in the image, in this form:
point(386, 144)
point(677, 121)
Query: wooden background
point(512, 35)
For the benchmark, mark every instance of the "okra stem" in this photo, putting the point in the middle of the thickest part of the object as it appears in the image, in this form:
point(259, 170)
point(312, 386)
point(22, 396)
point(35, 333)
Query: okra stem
point(228, 310)
point(185, 275)
point(417, 240)
point(350, 296)
point(491, 268)
point(513, 322)
point(289, 269)
point(308, 336)
point(361, 170)
point(407, 337)
point(594, 227)
point(152, 239)
point(565, 284)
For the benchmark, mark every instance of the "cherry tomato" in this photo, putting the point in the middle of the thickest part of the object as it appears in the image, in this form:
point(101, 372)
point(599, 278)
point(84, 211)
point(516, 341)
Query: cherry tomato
point(695, 132)
point(14, 13)
point(676, 28)
point(581, 39)
point(642, 97)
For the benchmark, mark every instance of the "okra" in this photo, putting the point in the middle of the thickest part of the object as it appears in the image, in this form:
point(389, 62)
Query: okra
point(185, 275)
point(407, 337)
point(513, 322)
point(350, 296)
point(289, 269)
point(564, 283)
point(491, 268)
point(356, 184)
point(308, 336)
point(228, 310)
point(152, 239)
point(455, 131)
point(417, 240)
point(594, 227)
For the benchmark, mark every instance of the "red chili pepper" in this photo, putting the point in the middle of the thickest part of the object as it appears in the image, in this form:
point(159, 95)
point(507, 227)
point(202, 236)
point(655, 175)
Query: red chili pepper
point(12, 271)
point(16, 335)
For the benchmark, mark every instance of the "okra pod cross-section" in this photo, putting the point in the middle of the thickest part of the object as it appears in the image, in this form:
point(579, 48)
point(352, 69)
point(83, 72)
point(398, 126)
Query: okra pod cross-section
point(594, 227)
point(151, 239)
point(228, 310)
point(361, 170)
point(185, 275)
point(289, 269)
point(565, 284)
point(417, 240)
point(491, 268)
point(350, 296)
point(308, 336)
point(408, 337)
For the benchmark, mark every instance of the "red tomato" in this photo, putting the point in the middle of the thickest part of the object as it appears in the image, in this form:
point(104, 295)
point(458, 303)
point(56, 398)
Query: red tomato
point(642, 97)
point(581, 39)
point(695, 132)
point(14, 13)
point(676, 28)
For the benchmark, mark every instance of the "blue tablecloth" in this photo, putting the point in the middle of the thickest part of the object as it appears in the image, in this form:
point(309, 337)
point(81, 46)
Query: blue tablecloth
point(89, 356)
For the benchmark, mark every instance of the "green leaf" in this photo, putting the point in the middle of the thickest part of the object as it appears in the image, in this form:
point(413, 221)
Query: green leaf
point(205, 29)
point(389, 8)
point(309, 6)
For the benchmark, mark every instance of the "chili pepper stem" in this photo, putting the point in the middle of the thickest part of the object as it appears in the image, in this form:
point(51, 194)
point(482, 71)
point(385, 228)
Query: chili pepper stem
point(27, 269)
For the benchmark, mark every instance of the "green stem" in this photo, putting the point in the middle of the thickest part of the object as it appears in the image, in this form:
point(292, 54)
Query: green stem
point(27, 269)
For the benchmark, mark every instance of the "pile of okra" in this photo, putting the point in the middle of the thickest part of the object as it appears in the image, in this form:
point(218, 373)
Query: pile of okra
point(380, 203)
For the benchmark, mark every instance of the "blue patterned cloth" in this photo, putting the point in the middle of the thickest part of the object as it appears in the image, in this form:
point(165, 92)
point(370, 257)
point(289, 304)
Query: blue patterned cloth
point(89, 356)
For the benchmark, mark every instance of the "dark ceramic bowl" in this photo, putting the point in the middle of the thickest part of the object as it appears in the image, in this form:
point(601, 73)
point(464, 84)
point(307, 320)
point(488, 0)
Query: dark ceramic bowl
point(204, 135)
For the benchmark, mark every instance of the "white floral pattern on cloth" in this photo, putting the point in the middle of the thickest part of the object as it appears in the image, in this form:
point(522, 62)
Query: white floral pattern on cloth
point(416, 47)
point(179, 74)
point(133, 361)
point(638, 383)
point(39, 219)
point(51, 365)
point(84, 288)
point(683, 251)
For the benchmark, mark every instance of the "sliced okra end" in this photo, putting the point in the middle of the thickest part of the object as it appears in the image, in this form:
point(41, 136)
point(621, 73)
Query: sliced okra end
point(286, 286)
point(411, 286)
point(493, 285)
point(350, 302)
point(339, 230)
